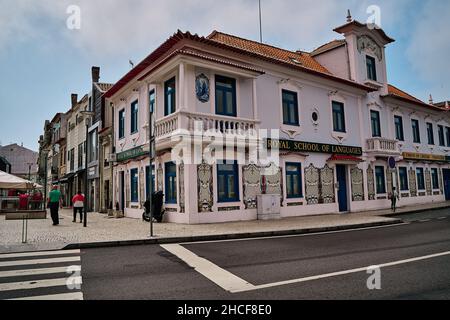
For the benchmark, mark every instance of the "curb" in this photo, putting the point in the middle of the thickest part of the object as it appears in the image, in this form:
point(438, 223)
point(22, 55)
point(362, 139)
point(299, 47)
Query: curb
point(237, 236)
point(397, 214)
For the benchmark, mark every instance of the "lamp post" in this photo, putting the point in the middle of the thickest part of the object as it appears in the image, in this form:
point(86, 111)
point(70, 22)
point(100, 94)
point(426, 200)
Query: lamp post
point(150, 169)
point(87, 118)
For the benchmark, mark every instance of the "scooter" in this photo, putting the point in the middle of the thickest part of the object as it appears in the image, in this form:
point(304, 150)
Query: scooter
point(157, 208)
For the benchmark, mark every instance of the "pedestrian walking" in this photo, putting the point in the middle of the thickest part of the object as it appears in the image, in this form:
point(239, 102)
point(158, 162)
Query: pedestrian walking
point(394, 198)
point(54, 203)
point(78, 205)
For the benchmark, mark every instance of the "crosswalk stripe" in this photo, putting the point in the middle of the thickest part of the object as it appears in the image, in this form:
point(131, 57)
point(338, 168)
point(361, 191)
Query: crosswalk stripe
point(40, 284)
point(38, 254)
point(38, 261)
point(33, 272)
point(64, 296)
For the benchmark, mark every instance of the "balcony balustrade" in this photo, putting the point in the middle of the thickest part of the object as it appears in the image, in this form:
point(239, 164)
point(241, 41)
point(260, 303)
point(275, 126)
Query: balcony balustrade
point(383, 146)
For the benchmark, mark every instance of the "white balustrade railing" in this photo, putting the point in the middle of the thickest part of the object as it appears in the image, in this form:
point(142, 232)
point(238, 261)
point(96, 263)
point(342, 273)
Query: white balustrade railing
point(382, 145)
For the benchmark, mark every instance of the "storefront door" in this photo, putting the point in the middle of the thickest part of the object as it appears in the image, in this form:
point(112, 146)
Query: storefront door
point(446, 174)
point(341, 175)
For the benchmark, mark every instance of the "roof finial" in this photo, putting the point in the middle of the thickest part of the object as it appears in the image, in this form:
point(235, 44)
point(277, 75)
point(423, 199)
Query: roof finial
point(431, 99)
point(349, 16)
point(446, 105)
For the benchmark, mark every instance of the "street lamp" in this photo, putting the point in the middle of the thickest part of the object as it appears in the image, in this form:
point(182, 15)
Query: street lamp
point(87, 115)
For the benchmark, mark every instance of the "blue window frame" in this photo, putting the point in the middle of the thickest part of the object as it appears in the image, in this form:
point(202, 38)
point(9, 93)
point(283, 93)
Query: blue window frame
point(122, 124)
point(435, 178)
point(403, 173)
point(447, 133)
point(134, 177)
point(441, 136)
point(294, 180)
point(371, 68)
point(171, 182)
point(169, 96)
point(226, 96)
point(228, 182)
point(147, 180)
point(375, 121)
point(152, 100)
point(290, 108)
point(134, 117)
point(338, 117)
point(420, 179)
point(430, 132)
point(415, 130)
point(399, 133)
point(380, 180)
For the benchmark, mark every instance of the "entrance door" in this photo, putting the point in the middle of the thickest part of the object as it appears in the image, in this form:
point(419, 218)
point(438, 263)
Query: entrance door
point(122, 191)
point(446, 174)
point(341, 174)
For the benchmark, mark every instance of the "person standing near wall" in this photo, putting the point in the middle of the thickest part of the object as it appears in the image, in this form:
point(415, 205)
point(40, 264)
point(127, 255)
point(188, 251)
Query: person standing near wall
point(78, 205)
point(54, 203)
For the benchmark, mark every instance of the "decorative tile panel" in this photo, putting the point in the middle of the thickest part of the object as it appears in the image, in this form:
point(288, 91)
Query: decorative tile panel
point(370, 183)
point(312, 182)
point(327, 183)
point(252, 185)
point(159, 174)
point(428, 182)
point(181, 187)
point(357, 184)
point(412, 183)
point(205, 187)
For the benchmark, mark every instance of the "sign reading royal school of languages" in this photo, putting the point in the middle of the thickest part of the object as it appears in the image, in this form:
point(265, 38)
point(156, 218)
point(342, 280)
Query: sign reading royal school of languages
point(299, 146)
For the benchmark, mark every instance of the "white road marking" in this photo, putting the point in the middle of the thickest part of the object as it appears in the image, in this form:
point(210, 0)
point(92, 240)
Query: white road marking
point(33, 272)
point(38, 254)
point(39, 284)
point(61, 297)
point(232, 283)
point(442, 218)
point(335, 274)
point(219, 276)
point(38, 261)
point(299, 235)
point(425, 220)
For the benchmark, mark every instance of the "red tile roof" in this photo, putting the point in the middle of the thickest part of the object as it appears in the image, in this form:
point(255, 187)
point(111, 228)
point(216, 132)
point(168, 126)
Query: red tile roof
point(295, 58)
point(395, 92)
point(328, 46)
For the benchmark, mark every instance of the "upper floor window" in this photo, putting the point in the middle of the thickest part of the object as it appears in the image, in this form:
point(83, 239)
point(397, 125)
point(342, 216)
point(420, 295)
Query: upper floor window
point(170, 97)
point(415, 130)
point(171, 182)
point(399, 134)
point(430, 132)
point(375, 121)
point(338, 117)
point(134, 117)
point(134, 175)
point(122, 124)
point(226, 96)
point(228, 182)
point(435, 178)
point(447, 133)
point(380, 180)
point(290, 108)
point(294, 180)
point(371, 68)
point(441, 136)
point(403, 174)
point(420, 179)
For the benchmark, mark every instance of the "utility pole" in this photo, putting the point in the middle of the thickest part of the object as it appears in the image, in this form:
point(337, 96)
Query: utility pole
point(260, 23)
point(86, 175)
point(150, 173)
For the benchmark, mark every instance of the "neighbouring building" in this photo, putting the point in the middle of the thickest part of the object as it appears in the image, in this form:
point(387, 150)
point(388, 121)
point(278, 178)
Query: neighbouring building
point(19, 161)
point(346, 136)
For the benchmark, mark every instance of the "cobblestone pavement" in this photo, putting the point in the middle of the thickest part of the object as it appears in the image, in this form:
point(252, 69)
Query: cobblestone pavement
point(43, 236)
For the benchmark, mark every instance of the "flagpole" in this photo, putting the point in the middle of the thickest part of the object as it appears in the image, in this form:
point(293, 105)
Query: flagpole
point(260, 23)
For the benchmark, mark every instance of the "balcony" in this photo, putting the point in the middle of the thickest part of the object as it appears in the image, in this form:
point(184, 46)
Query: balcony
point(200, 122)
point(383, 147)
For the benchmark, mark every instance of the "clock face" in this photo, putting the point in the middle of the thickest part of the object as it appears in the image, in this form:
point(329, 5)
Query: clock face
point(202, 88)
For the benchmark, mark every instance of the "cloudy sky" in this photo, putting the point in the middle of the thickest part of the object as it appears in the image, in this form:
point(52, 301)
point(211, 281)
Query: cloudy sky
point(42, 61)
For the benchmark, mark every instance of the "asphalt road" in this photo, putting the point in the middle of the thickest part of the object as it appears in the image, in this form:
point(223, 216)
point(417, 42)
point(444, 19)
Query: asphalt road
point(258, 268)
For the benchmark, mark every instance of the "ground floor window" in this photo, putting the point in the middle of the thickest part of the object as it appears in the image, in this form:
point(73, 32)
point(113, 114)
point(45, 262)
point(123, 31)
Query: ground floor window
point(420, 179)
point(380, 180)
point(134, 175)
point(228, 182)
point(171, 182)
point(403, 173)
point(435, 178)
point(294, 180)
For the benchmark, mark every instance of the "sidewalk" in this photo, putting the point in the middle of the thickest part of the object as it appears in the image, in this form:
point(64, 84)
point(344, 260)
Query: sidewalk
point(43, 236)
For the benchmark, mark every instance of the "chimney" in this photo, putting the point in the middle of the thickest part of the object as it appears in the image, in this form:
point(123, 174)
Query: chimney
point(95, 74)
point(349, 16)
point(74, 97)
point(431, 99)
